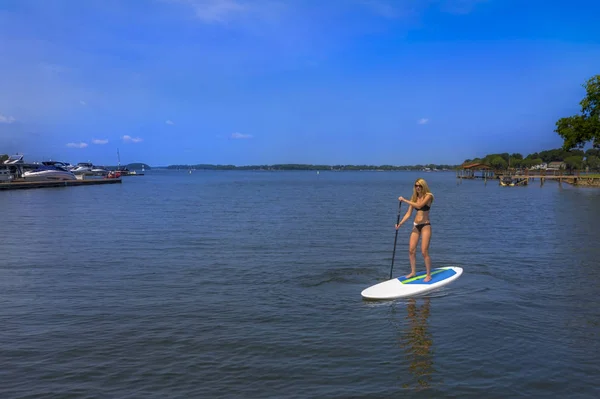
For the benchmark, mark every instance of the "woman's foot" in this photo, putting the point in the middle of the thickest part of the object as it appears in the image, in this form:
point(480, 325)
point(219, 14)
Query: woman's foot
point(410, 275)
point(427, 278)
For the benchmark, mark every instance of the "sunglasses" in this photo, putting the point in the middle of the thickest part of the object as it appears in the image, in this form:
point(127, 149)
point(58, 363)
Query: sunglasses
point(418, 185)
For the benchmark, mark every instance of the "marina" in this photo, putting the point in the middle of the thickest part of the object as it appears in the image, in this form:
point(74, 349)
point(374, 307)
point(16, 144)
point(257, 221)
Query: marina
point(16, 174)
point(513, 178)
point(20, 185)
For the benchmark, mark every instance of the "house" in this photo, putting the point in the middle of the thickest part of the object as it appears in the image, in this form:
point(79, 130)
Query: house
point(557, 165)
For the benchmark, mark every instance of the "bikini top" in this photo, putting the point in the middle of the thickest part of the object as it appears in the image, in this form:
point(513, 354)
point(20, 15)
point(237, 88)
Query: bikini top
point(424, 208)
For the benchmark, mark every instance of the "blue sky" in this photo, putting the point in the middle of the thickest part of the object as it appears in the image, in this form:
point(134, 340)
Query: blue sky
point(290, 81)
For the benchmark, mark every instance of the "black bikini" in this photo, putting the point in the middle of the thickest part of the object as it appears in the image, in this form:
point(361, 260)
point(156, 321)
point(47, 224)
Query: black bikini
point(420, 226)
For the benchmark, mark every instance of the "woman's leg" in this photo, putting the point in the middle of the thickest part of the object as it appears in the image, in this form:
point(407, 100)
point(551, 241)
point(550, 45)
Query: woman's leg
point(425, 239)
point(412, 252)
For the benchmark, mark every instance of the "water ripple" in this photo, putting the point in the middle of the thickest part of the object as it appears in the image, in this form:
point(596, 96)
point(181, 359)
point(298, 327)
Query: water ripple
point(247, 284)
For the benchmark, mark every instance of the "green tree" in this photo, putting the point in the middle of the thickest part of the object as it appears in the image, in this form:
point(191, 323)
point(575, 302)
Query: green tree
point(593, 151)
point(577, 130)
point(529, 162)
point(574, 162)
point(575, 152)
point(593, 162)
point(3, 158)
point(515, 160)
point(557, 154)
point(498, 162)
point(526, 163)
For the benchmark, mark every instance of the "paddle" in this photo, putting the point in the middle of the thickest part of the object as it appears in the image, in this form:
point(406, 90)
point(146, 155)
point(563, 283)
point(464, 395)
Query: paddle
point(395, 238)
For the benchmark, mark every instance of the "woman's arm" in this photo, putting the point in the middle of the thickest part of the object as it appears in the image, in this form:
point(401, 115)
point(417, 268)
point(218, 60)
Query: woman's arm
point(419, 203)
point(406, 216)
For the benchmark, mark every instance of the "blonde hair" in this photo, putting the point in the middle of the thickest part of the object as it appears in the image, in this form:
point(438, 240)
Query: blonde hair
point(424, 191)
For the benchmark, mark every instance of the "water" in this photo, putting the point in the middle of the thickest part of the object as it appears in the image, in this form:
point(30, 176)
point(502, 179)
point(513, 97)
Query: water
point(247, 285)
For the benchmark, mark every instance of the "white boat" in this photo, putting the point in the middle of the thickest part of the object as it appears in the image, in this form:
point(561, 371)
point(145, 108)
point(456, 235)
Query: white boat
point(99, 171)
point(48, 173)
point(12, 169)
point(83, 168)
point(6, 175)
point(64, 165)
point(14, 159)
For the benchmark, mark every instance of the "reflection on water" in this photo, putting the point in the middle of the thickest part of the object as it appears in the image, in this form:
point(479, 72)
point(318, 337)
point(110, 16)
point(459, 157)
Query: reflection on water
point(417, 343)
point(146, 315)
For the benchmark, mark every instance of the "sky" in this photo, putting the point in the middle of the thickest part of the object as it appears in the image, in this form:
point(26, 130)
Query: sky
point(249, 82)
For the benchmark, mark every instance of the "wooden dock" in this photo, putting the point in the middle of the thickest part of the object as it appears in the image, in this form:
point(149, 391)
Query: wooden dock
point(479, 170)
point(522, 179)
point(577, 178)
point(21, 185)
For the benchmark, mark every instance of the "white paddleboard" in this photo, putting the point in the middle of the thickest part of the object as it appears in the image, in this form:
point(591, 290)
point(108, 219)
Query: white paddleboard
point(404, 287)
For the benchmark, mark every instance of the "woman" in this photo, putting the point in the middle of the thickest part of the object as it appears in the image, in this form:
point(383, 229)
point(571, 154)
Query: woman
point(421, 201)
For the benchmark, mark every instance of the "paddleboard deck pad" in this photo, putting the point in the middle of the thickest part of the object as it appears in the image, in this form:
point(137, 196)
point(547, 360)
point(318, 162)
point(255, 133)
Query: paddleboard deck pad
point(402, 287)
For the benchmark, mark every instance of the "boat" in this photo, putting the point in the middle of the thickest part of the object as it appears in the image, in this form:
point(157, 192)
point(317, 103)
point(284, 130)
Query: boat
point(64, 165)
point(6, 175)
point(14, 159)
point(14, 167)
point(99, 171)
point(508, 181)
point(48, 173)
point(83, 168)
point(10, 168)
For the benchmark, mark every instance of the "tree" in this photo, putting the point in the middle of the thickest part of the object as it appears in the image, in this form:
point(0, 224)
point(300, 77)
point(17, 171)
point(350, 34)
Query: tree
point(498, 162)
point(578, 130)
point(593, 162)
point(592, 151)
point(3, 158)
point(557, 154)
point(515, 162)
point(574, 162)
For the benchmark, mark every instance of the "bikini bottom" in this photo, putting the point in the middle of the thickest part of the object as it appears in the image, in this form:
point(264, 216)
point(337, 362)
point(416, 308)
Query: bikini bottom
point(420, 226)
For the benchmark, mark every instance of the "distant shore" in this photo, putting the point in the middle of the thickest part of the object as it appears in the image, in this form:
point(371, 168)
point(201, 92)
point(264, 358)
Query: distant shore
point(310, 167)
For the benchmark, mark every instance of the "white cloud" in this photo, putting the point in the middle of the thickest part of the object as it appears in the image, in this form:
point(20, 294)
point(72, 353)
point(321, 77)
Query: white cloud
point(213, 11)
point(129, 139)
point(241, 136)
point(423, 121)
point(100, 141)
point(77, 145)
point(169, 122)
point(6, 119)
point(82, 102)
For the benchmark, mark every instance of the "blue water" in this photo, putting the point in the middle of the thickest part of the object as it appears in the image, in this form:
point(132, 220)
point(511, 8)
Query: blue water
point(247, 285)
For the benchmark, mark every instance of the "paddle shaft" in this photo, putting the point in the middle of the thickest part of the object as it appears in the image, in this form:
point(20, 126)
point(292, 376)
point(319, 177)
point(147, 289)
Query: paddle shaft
point(395, 238)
